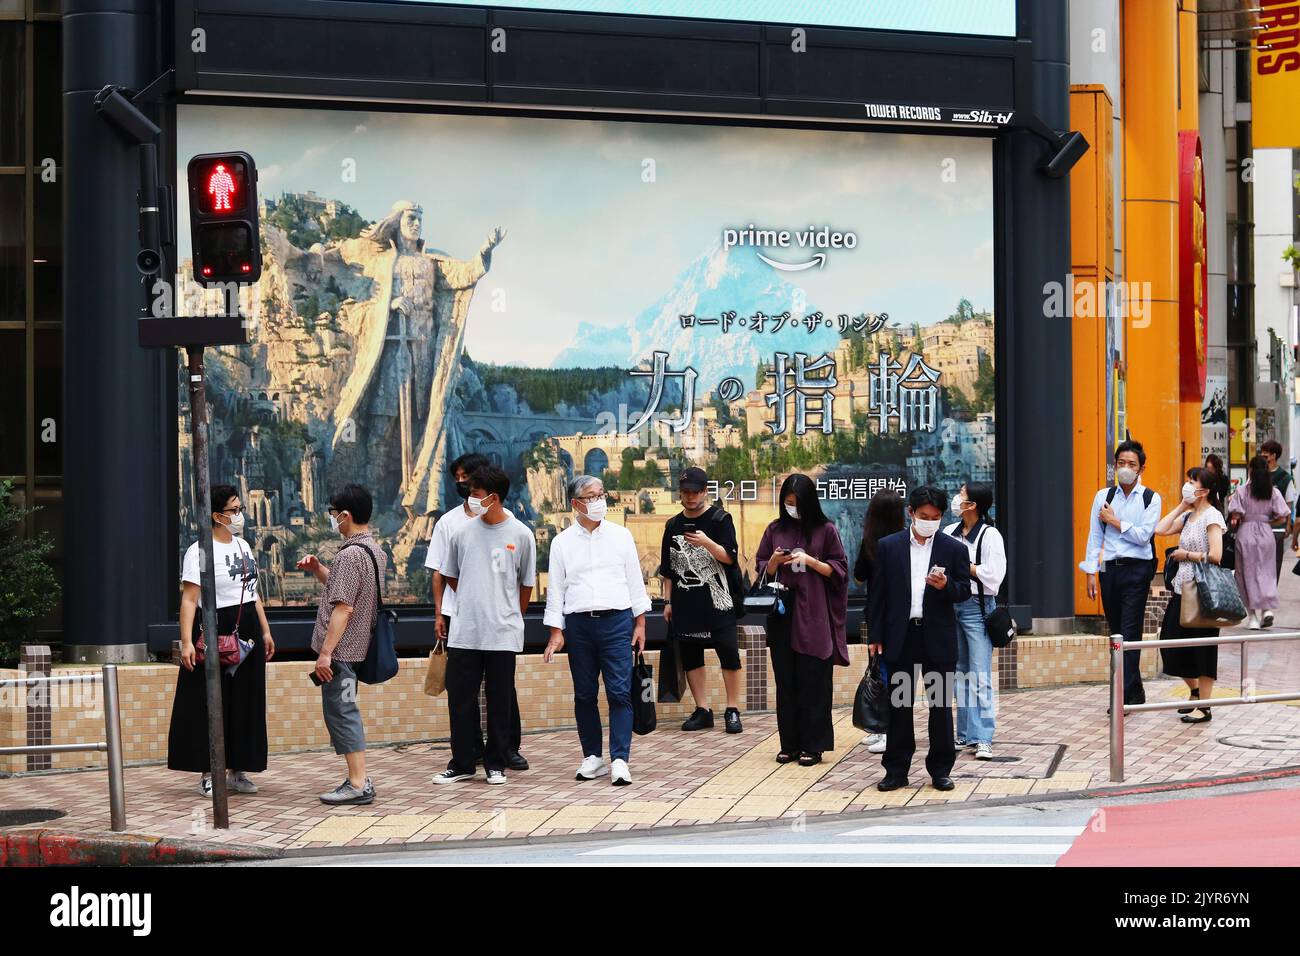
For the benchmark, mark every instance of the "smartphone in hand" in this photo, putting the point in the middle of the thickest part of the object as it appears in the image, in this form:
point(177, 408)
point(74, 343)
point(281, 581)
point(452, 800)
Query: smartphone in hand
point(315, 678)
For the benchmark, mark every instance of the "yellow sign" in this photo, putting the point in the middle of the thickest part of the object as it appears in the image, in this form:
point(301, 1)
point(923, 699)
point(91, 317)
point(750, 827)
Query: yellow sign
point(1241, 434)
point(1275, 76)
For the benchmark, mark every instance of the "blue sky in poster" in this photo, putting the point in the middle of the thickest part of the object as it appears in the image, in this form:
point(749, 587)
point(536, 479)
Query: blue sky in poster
point(591, 242)
point(988, 17)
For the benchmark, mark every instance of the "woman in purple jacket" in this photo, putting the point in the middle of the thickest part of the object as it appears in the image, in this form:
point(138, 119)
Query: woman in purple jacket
point(801, 551)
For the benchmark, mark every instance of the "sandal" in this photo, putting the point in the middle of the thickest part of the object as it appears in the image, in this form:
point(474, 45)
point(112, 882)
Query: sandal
point(1205, 715)
point(1195, 694)
point(809, 760)
point(784, 757)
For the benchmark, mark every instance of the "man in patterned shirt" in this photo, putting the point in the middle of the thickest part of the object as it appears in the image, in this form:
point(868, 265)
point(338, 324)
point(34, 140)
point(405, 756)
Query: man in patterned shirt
point(342, 634)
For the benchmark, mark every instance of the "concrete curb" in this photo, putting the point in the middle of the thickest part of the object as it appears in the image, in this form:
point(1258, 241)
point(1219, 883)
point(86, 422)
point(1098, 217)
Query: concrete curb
point(38, 847)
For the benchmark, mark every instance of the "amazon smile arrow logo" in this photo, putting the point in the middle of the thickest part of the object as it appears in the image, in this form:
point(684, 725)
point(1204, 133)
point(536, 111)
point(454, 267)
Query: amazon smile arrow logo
point(819, 260)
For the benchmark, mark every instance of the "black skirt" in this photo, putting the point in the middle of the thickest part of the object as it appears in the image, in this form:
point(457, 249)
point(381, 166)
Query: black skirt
point(243, 704)
point(1187, 662)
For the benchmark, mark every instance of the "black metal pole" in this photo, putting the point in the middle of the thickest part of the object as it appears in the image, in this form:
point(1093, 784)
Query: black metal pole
point(208, 586)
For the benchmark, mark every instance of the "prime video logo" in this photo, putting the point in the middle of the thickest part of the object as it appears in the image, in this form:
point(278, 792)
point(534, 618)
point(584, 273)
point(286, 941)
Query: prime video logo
point(77, 909)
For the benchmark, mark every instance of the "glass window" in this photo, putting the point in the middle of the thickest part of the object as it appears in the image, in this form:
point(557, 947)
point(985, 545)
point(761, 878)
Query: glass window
point(47, 98)
point(47, 292)
point(12, 269)
point(12, 87)
point(47, 417)
point(13, 400)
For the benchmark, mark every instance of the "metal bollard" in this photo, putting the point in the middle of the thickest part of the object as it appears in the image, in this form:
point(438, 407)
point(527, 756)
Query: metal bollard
point(1117, 708)
point(113, 738)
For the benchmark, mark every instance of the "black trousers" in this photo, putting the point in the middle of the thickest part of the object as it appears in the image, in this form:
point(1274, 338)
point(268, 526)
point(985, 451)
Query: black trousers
point(467, 670)
point(936, 681)
point(804, 692)
point(1124, 590)
point(517, 730)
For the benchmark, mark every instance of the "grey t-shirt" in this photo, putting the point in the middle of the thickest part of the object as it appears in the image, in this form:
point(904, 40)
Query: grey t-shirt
point(490, 563)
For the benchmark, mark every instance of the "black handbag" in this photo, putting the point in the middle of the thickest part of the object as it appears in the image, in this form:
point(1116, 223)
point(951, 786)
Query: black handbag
point(761, 598)
point(644, 718)
point(380, 664)
point(871, 702)
point(670, 673)
point(998, 623)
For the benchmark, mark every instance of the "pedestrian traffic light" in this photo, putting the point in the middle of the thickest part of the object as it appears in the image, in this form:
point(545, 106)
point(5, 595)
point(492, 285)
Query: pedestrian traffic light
point(224, 241)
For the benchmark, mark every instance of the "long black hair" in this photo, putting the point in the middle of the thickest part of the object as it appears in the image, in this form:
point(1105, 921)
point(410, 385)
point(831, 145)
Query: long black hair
point(1261, 484)
point(1208, 478)
point(811, 517)
point(884, 517)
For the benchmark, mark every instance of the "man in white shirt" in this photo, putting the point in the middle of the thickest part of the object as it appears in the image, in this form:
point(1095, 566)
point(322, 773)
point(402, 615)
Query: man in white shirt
point(596, 604)
point(444, 598)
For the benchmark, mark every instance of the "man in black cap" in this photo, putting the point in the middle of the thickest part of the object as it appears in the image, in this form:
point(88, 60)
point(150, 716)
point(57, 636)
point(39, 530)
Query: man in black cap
point(701, 584)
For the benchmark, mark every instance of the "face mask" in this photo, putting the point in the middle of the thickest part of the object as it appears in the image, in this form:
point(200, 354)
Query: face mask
point(1189, 493)
point(476, 506)
point(462, 488)
point(236, 526)
point(334, 524)
point(958, 506)
point(596, 509)
point(926, 528)
point(1126, 476)
point(792, 511)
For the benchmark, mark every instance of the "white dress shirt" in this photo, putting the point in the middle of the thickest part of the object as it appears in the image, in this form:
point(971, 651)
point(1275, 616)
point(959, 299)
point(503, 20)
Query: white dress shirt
point(594, 571)
point(992, 567)
point(920, 568)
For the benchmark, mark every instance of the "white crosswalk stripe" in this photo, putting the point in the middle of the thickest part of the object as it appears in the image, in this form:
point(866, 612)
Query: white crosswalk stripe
point(903, 830)
point(831, 849)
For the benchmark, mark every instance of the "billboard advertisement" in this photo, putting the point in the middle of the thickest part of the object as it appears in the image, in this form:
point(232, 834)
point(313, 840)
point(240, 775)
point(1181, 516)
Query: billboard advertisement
point(624, 299)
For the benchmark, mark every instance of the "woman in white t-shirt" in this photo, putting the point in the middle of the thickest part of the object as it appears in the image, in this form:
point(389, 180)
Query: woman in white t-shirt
point(988, 559)
point(243, 693)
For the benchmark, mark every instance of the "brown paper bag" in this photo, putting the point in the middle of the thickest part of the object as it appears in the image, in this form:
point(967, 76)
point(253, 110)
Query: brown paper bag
point(435, 678)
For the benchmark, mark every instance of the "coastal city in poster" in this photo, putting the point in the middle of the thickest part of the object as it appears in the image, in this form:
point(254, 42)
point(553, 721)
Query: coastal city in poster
point(614, 298)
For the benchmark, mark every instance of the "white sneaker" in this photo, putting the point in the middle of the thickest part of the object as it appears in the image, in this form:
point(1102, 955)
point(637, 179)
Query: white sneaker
point(205, 785)
point(875, 743)
point(619, 774)
point(983, 751)
point(1254, 621)
point(496, 777)
point(592, 767)
point(240, 783)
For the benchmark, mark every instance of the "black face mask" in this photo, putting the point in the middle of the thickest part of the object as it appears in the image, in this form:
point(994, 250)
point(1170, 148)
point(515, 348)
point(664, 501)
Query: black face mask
point(462, 488)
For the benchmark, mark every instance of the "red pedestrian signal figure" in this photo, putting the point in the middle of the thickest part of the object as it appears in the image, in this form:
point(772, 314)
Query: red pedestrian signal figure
point(221, 187)
point(225, 244)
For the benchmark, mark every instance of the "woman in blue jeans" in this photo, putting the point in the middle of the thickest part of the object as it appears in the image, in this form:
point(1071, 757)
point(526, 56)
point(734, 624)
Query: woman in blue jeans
point(988, 557)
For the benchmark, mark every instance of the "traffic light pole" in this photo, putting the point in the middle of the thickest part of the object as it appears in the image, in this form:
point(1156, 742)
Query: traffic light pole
point(163, 331)
point(208, 584)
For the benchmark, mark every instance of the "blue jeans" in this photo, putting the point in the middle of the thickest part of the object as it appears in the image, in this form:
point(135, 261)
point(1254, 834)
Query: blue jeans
point(601, 647)
point(974, 684)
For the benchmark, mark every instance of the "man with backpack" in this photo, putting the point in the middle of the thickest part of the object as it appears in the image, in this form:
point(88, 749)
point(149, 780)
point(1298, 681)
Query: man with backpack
point(702, 596)
point(1121, 552)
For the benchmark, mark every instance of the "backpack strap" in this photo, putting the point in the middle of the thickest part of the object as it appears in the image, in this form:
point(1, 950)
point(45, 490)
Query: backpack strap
point(379, 591)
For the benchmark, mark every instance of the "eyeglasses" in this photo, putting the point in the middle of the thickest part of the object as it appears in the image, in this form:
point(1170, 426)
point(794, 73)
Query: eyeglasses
point(587, 498)
point(232, 511)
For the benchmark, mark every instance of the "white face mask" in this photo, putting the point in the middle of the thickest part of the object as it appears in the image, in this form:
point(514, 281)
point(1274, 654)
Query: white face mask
point(476, 506)
point(958, 505)
point(236, 524)
point(925, 527)
point(1189, 493)
point(596, 509)
point(792, 511)
point(1126, 476)
point(334, 524)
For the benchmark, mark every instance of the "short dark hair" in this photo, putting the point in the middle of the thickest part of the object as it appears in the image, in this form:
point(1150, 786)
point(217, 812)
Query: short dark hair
point(221, 495)
point(469, 463)
point(927, 495)
point(1133, 446)
point(981, 494)
point(1271, 447)
point(356, 501)
point(492, 480)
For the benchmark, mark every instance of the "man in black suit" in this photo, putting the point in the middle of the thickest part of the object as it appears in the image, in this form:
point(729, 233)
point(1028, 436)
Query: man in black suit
point(921, 574)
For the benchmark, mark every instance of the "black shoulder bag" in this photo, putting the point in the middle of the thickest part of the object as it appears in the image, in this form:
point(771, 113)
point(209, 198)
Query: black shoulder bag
point(998, 623)
point(381, 656)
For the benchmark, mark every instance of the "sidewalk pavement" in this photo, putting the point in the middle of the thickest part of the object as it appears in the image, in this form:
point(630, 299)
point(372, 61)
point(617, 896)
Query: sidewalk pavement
point(1049, 741)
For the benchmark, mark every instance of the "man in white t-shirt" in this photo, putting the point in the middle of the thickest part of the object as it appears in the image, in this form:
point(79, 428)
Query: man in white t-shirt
point(444, 598)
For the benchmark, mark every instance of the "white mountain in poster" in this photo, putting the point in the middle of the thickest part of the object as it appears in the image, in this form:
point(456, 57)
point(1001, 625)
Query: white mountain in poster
point(719, 281)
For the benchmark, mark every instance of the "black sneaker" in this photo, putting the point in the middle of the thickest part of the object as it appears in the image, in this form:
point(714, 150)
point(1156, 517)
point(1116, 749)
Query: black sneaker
point(453, 776)
point(700, 720)
point(516, 761)
point(731, 719)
